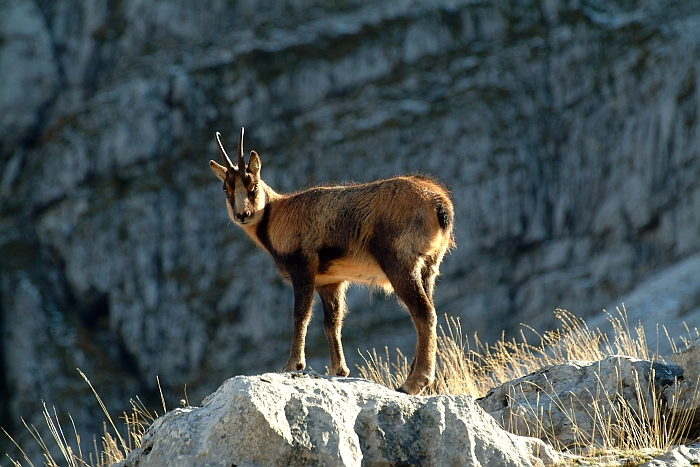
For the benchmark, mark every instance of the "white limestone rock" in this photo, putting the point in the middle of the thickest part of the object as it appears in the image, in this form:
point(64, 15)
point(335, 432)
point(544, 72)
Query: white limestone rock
point(305, 419)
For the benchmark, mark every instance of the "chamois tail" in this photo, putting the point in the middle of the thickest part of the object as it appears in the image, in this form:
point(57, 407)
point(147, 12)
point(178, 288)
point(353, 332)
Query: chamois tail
point(444, 215)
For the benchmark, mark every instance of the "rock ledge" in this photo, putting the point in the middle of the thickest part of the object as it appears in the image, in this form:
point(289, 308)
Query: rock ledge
point(308, 419)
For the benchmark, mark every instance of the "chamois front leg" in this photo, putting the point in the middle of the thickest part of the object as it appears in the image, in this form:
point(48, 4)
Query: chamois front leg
point(303, 283)
point(333, 300)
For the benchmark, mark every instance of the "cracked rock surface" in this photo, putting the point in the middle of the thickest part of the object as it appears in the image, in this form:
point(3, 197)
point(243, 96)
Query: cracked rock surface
point(300, 419)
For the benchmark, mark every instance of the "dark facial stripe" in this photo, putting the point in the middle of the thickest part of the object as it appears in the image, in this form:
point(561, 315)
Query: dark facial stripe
point(262, 232)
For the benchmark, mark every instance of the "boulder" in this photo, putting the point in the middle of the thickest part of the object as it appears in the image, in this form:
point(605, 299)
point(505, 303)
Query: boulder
point(679, 456)
point(306, 419)
point(684, 395)
point(563, 403)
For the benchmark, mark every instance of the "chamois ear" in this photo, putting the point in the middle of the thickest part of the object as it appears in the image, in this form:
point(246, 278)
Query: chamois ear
point(219, 170)
point(254, 164)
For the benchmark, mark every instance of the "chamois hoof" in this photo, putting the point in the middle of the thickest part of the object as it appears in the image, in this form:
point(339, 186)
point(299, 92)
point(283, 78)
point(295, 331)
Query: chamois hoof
point(414, 386)
point(297, 366)
point(401, 390)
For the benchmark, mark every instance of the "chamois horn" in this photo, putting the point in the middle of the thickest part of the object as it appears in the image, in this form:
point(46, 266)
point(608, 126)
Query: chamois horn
point(227, 161)
point(241, 162)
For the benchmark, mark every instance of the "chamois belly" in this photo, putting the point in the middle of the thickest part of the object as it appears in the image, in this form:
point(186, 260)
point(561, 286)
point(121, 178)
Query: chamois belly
point(352, 270)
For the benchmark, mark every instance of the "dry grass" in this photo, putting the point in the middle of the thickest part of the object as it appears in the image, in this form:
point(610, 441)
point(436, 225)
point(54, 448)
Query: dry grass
point(112, 448)
point(614, 426)
point(622, 430)
point(461, 370)
point(619, 428)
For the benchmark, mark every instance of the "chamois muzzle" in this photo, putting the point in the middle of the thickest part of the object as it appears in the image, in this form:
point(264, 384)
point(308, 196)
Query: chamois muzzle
point(243, 217)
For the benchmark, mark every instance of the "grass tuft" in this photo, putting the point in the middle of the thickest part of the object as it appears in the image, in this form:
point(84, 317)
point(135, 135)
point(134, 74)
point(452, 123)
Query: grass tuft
point(112, 447)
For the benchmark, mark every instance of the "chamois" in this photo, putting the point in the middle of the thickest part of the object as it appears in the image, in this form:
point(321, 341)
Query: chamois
point(389, 233)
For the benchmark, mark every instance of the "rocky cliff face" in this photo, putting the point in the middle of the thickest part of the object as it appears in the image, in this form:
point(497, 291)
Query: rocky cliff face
point(567, 130)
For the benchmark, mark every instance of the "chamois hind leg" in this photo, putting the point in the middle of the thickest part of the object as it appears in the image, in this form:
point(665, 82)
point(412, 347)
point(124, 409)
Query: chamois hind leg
point(429, 273)
point(333, 300)
point(303, 283)
point(408, 286)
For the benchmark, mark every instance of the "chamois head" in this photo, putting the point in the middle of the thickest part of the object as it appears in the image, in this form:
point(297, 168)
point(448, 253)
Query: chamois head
point(245, 198)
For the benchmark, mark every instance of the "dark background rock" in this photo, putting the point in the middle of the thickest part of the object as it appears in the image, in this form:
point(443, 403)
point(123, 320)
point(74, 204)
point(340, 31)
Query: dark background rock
point(568, 132)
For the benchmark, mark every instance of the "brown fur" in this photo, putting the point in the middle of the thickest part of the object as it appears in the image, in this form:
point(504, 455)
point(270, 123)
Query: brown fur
point(390, 233)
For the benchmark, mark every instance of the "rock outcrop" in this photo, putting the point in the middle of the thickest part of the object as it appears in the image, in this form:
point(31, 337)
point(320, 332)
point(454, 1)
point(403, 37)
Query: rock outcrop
point(309, 419)
point(301, 419)
point(567, 130)
point(681, 456)
point(568, 404)
point(685, 395)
